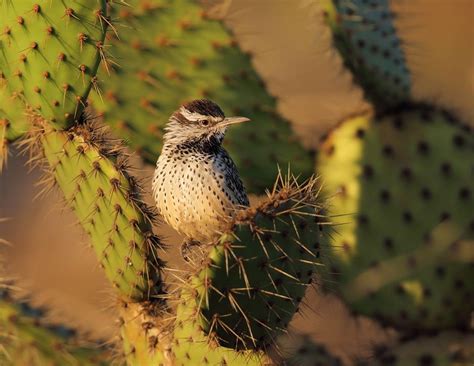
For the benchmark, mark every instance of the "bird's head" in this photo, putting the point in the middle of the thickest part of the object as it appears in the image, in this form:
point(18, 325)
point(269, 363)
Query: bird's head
point(198, 121)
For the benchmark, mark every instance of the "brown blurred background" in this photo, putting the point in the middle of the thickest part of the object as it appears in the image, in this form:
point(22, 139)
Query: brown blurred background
point(50, 256)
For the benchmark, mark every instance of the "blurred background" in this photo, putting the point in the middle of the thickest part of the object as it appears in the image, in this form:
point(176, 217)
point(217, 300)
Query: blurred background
point(50, 257)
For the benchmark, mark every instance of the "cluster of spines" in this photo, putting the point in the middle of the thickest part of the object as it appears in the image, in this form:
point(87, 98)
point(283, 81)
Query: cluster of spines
point(51, 54)
point(91, 170)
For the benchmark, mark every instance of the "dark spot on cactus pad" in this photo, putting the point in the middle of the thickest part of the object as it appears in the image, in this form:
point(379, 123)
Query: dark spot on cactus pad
point(407, 217)
point(440, 271)
point(446, 169)
point(423, 147)
point(387, 150)
point(385, 196)
point(360, 133)
point(426, 193)
point(458, 141)
point(388, 243)
point(426, 360)
point(406, 174)
point(367, 171)
point(464, 193)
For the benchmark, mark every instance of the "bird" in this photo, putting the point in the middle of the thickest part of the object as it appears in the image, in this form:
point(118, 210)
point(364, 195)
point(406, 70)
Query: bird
point(196, 184)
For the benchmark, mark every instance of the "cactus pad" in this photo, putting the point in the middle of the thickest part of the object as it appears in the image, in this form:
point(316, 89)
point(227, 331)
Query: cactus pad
point(191, 346)
point(444, 349)
point(26, 339)
point(405, 188)
point(365, 36)
point(91, 171)
point(50, 54)
point(256, 275)
point(170, 52)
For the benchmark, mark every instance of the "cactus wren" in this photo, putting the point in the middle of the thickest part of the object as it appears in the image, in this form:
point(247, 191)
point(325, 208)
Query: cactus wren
point(196, 184)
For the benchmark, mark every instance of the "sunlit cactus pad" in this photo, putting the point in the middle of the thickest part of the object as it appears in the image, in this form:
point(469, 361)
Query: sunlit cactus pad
point(170, 52)
point(27, 339)
point(364, 33)
point(91, 170)
point(402, 192)
point(255, 277)
point(50, 52)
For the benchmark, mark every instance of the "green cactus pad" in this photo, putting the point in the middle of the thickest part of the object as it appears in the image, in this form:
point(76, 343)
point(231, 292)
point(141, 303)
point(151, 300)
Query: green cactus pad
point(444, 349)
point(366, 38)
point(13, 123)
point(91, 171)
point(145, 334)
point(256, 275)
point(26, 339)
point(50, 54)
point(402, 191)
point(170, 52)
point(301, 350)
point(191, 346)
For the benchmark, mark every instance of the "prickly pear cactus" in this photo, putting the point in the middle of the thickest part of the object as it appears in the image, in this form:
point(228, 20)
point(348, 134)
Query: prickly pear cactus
point(365, 36)
point(50, 54)
point(251, 284)
point(169, 52)
point(401, 188)
point(91, 171)
point(26, 339)
point(444, 349)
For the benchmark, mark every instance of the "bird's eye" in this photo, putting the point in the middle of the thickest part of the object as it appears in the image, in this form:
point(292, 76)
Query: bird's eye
point(204, 122)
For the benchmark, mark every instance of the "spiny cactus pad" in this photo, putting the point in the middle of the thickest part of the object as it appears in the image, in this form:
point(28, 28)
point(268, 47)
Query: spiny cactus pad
point(365, 35)
point(402, 191)
point(191, 346)
point(50, 53)
point(255, 277)
point(26, 339)
point(145, 334)
point(170, 52)
point(445, 349)
point(91, 171)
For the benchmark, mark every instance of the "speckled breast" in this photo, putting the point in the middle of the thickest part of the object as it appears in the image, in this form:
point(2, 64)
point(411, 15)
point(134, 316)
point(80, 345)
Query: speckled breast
point(192, 195)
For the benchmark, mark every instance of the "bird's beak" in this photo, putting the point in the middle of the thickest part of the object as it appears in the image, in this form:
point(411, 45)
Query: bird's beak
point(232, 121)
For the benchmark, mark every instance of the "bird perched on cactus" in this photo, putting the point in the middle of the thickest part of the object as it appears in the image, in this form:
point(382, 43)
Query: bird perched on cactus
point(196, 184)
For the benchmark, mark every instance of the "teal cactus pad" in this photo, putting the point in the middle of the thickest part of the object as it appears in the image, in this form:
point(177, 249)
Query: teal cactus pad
point(402, 191)
point(256, 276)
point(364, 34)
point(170, 52)
point(50, 54)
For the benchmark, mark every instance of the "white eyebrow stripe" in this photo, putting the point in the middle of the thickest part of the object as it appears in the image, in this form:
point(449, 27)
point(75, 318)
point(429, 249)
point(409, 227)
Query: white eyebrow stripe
point(192, 116)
